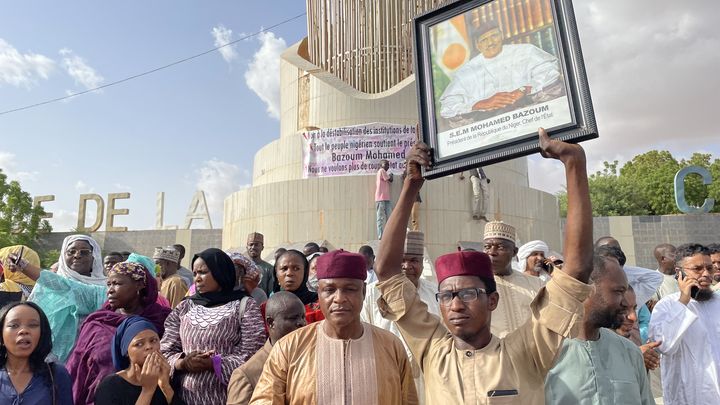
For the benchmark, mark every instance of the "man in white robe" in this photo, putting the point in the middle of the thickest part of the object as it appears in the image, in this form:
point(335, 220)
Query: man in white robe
point(501, 76)
point(688, 325)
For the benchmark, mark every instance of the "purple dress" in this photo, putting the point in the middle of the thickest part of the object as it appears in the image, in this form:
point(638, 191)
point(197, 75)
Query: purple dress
point(232, 335)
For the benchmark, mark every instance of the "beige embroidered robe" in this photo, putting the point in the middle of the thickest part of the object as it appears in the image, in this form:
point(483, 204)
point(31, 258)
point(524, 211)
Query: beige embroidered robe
point(309, 367)
point(519, 362)
point(516, 291)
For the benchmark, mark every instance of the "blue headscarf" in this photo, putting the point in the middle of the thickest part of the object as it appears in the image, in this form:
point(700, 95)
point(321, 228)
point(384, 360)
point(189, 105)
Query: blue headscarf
point(128, 329)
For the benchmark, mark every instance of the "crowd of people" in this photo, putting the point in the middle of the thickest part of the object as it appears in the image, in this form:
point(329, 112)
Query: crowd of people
point(509, 324)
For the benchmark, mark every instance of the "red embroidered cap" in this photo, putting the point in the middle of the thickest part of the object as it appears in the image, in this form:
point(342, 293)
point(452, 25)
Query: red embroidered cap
point(463, 264)
point(341, 264)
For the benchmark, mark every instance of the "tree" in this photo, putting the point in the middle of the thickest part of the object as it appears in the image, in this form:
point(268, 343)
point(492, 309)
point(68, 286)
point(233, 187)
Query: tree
point(653, 175)
point(20, 222)
point(646, 185)
point(610, 194)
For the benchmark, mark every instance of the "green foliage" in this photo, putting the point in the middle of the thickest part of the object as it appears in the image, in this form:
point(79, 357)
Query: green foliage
point(562, 202)
point(653, 174)
point(20, 222)
point(48, 258)
point(645, 185)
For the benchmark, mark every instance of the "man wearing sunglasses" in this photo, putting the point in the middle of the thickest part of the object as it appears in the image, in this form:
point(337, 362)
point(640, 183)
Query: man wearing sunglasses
point(463, 362)
point(687, 323)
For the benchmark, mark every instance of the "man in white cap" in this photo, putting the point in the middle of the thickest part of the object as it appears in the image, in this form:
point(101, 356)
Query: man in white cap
point(516, 289)
point(412, 266)
point(532, 260)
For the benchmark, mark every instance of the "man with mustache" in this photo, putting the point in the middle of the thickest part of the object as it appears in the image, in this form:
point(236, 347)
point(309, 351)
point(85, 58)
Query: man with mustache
point(687, 324)
point(501, 77)
point(340, 360)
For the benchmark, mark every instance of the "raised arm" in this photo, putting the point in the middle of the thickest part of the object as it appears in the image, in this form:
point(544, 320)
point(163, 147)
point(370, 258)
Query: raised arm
point(578, 245)
point(389, 259)
point(23, 266)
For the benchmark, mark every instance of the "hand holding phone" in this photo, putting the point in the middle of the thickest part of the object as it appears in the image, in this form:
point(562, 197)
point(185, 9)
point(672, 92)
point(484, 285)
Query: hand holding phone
point(16, 261)
point(684, 281)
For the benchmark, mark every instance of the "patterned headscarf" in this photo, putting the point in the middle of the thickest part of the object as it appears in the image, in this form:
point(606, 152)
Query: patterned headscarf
point(238, 258)
point(135, 271)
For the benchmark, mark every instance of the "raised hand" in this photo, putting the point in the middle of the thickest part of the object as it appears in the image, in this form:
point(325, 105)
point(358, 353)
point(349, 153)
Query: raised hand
point(554, 149)
point(686, 284)
point(419, 156)
point(250, 281)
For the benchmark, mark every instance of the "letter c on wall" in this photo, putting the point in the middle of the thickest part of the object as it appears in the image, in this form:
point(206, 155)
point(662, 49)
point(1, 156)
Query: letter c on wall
point(680, 190)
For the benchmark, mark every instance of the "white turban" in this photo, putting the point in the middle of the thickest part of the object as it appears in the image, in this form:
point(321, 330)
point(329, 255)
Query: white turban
point(96, 277)
point(526, 249)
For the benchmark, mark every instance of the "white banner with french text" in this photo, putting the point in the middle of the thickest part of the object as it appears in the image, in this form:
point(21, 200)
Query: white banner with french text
point(356, 150)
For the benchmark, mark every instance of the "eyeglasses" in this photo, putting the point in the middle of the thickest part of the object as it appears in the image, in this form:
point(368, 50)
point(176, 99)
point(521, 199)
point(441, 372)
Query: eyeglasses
point(465, 295)
point(699, 269)
point(83, 252)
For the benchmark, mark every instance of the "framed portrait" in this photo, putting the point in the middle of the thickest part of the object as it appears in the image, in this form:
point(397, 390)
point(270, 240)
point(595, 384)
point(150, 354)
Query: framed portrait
point(489, 73)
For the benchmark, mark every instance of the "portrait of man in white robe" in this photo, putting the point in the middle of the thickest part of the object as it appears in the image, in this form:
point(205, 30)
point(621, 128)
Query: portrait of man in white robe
point(501, 78)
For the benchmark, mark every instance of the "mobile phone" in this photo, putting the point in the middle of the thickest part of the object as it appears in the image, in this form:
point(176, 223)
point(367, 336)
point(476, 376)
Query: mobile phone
point(15, 259)
point(545, 264)
point(693, 290)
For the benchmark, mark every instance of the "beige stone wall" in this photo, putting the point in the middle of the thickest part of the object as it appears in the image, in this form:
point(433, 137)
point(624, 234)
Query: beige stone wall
point(289, 209)
point(342, 211)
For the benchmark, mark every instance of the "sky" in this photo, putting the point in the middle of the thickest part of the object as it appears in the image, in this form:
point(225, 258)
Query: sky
point(652, 68)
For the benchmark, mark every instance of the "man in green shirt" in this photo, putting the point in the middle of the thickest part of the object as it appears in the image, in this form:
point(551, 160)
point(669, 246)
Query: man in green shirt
point(599, 366)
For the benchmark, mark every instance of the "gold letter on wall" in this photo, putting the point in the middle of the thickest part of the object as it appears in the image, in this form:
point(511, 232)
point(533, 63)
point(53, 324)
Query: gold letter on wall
point(38, 200)
point(112, 212)
point(81, 212)
point(198, 210)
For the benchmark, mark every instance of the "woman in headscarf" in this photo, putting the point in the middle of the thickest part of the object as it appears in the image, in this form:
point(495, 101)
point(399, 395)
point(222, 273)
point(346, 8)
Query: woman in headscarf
point(248, 275)
point(143, 374)
point(213, 332)
point(312, 278)
point(132, 290)
point(71, 294)
point(291, 274)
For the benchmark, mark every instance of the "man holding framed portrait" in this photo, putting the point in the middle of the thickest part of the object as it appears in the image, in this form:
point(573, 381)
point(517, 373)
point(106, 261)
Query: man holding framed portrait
point(490, 72)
